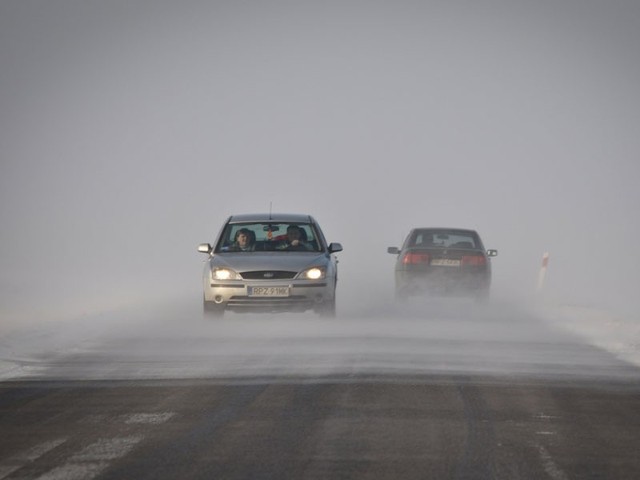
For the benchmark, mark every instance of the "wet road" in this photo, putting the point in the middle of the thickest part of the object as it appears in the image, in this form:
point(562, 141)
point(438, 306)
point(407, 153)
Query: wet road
point(466, 395)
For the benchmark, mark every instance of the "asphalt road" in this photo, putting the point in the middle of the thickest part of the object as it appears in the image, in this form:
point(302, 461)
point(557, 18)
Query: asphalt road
point(463, 396)
point(432, 427)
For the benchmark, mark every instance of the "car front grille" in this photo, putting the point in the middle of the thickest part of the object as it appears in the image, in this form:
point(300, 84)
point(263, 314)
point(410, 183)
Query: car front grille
point(268, 275)
point(293, 302)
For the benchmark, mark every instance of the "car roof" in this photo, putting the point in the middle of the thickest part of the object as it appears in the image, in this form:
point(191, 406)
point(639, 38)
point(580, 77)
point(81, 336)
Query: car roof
point(271, 217)
point(444, 229)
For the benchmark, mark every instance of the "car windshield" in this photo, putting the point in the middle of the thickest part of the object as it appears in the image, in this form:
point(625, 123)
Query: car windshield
point(444, 239)
point(270, 237)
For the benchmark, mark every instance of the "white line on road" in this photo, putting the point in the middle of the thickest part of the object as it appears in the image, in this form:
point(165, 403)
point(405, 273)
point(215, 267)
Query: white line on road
point(550, 466)
point(20, 460)
point(93, 459)
point(148, 418)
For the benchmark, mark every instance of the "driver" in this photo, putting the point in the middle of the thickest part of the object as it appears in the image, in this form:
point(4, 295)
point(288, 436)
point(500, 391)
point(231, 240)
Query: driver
point(294, 240)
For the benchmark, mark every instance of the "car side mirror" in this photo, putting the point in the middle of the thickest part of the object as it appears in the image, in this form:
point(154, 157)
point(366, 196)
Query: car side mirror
point(204, 248)
point(492, 253)
point(393, 250)
point(335, 247)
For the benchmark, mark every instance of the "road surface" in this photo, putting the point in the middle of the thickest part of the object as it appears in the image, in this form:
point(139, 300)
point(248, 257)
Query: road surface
point(497, 394)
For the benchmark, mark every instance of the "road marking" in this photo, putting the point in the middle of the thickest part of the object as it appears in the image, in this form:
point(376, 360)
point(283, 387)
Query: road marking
point(550, 466)
point(132, 418)
point(93, 459)
point(148, 418)
point(542, 416)
point(106, 449)
point(75, 472)
point(20, 460)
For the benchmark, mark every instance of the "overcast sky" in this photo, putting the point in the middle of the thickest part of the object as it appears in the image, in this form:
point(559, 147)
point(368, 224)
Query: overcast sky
point(130, 130)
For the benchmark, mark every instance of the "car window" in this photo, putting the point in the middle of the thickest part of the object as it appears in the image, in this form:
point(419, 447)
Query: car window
point(453, 239)
point(268, 237)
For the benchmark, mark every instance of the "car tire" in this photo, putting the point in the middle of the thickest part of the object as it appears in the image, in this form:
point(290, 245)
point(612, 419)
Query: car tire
point(401, 296)
point(483, 296)
point(328, 309)
point(212, 310)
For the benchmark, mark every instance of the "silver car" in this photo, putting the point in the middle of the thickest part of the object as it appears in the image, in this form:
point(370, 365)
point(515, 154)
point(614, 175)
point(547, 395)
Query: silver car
point(270, 262)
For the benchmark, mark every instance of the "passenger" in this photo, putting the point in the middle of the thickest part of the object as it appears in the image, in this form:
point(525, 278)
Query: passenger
point(296, 240)
point(427, 240)
point(243, 241)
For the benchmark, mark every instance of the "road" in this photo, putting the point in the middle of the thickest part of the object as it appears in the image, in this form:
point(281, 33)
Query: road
point(492, 395)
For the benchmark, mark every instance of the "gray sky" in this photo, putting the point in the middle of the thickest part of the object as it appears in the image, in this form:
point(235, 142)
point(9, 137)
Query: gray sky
point(129, 130)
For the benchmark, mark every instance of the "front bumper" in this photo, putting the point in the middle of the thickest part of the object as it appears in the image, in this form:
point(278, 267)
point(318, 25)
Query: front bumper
point(301, 295)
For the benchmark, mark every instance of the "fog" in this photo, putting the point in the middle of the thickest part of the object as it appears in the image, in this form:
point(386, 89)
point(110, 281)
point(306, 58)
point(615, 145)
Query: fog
point(129, 131)
point(441, 339)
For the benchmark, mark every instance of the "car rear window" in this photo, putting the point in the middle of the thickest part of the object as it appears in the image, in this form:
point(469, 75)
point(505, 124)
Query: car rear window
point(444, 239)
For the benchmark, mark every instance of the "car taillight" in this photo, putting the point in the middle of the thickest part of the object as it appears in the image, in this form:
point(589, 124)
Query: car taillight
point(412, 258)
point(474, 260)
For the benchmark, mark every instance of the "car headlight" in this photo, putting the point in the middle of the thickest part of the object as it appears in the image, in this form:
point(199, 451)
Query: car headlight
point(224, 274)
point(314, 273)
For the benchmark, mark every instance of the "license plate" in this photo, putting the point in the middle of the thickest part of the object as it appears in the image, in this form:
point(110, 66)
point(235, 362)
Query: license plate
point(268, 291)
point(445, 262)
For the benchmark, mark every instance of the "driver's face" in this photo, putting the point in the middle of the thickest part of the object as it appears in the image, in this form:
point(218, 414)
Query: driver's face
point(294, 234)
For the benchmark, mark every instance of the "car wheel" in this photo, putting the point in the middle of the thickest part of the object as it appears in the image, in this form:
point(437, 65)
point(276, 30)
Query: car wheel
point(328, 309)
point(212, 310)
point(401, 295)
point(482, 296)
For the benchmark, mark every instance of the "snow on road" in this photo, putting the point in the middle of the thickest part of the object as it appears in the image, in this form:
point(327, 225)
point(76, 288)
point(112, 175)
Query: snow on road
point(614, 333)
point(174, 342)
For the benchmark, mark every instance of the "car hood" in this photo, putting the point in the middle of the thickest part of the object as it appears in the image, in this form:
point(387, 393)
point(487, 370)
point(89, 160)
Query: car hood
point(289, 261)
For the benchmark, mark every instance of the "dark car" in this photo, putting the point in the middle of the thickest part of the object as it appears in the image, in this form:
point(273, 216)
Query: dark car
point(443, 262)
point(270, 262)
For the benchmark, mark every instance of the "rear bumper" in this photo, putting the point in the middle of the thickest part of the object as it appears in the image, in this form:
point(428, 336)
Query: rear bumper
point(442, 283)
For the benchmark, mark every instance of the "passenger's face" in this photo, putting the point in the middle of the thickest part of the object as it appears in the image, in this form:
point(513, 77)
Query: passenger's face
point(243, 239)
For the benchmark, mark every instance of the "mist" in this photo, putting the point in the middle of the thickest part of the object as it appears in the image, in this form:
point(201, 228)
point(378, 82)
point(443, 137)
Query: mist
point(131, 130)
